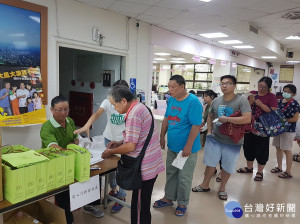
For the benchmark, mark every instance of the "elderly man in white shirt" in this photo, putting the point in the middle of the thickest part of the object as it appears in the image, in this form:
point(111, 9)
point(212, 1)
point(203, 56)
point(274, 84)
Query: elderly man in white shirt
point(22, 95)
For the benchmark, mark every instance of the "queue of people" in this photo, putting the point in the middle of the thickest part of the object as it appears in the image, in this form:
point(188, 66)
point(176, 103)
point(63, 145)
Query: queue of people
point(128, 126)
point(16, 101)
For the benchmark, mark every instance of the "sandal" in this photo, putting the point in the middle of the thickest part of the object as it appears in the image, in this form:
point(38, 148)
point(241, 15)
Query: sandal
point(285, 175)
point(160, 204)
point(200, 189)
point(276, 170)
point(259, 176)
point(296, 158)
point(218, 178)
point(181, 211)
point(245, 170)
point(222, 195)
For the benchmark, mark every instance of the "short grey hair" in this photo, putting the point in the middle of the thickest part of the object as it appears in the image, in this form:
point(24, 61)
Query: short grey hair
point(117, 93)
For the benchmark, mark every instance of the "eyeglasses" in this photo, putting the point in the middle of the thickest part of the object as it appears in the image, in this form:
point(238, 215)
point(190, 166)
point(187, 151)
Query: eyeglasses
point(262, 87)
point(62, 110)
point(223, 84)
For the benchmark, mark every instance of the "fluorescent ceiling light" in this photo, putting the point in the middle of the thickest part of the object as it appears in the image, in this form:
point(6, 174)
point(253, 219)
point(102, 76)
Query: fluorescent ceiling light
point(204, 0)
point(243, 46)
point(293, 62)
point(159, 59)
point(268, 57)
point(213, 35)
point(162, 54)
point(178, 59)
point(155, 62)
point(296, 37)
point(230, 42)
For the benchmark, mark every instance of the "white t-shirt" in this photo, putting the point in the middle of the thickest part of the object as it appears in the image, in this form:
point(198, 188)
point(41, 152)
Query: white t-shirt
point(22, 101)
point(115, 122)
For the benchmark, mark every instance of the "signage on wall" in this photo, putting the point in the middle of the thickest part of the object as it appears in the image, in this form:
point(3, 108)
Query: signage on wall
point(212, 61)
point(196, 58)
point(271, 70)
point(21, 87)
point(132, 86)
point(223, 63)
point(233, 65)
point(166, 66)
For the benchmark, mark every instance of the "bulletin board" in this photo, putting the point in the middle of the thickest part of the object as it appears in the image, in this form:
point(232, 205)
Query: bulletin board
point(286, 74)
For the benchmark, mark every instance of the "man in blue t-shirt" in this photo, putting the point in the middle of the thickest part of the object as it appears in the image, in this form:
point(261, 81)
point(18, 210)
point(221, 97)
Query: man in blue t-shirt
point(4, 99)
point(182, 120)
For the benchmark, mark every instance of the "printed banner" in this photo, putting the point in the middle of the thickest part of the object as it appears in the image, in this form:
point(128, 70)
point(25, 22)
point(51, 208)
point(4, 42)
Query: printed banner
point(21, 93)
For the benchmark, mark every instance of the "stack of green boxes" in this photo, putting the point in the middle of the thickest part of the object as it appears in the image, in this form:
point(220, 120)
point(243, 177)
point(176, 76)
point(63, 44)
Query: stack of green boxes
point(42, 170)
point(24, 173)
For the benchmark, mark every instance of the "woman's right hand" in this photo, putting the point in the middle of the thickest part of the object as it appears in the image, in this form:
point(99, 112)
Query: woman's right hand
point(114, 144)
point(83, 129)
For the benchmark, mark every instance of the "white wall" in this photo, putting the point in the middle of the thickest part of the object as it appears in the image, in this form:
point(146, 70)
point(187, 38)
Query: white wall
point(296, 80)
point(70, 24)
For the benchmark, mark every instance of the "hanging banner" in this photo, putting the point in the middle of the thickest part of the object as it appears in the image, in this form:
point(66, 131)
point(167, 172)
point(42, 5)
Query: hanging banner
point(21, 92)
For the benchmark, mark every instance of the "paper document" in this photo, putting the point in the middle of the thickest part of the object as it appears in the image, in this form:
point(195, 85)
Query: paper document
point(179, 161)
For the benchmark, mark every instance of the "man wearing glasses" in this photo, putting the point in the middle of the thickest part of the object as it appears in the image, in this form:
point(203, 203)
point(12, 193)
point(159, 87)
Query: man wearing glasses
point(219, 146)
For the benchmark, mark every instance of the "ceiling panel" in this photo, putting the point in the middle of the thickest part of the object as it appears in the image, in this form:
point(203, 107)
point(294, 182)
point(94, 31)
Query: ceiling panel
point(180, 4)
point(244, 14)
point(104, 4)
point(135, 8)
point(273, 6)
point(162, 12)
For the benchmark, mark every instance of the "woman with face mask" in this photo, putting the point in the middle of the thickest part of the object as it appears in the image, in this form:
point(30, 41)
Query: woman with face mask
point(284, 142)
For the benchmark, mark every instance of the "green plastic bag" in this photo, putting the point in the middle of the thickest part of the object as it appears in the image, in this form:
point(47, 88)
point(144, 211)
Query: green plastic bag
point(23, 159)
point(60, 169)
point(82, 162)
point(41, 177)
point(13, 149)
point(30, 181)
point(14, 188)
point(70, 165)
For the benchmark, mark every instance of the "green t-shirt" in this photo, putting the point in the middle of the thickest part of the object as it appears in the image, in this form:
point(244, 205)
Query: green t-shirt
point(53, 133)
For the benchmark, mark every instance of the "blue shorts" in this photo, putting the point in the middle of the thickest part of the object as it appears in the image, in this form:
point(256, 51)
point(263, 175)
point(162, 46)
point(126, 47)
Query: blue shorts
point(214, 151)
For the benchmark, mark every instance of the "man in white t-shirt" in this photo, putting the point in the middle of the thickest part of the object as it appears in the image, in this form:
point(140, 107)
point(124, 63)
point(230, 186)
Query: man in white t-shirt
point(22, 95)
point(113, 132)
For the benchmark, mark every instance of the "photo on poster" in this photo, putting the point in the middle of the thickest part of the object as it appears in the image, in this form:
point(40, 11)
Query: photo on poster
point(21, 89)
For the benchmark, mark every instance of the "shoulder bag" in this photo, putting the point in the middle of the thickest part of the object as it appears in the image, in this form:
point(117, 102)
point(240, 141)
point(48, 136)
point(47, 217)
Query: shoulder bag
point(128, 174)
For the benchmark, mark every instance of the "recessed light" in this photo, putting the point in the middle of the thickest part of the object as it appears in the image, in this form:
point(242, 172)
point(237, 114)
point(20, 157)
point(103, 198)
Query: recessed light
point(243, 46)
point(204, 0)
point(268, 57)
point(296, 37)
point(159, 59)
point(230, 42)
point(178, 59)
point(293, 62)
point(162, 54)
point(213, 35)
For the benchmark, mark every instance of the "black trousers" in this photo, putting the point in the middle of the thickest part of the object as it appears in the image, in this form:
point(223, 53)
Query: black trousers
point(141, 203)
point(256, 147)
point(63, 200)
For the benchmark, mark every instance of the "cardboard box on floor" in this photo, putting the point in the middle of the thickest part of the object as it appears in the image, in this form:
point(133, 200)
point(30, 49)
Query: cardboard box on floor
point(43, 211)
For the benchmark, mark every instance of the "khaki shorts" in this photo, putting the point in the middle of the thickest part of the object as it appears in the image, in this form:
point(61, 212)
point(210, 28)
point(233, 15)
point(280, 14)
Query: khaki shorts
point(284, 141)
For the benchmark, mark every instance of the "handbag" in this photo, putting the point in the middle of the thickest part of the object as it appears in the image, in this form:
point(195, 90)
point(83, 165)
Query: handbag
point(128, 174)
point(236, 131)
point(272, 124)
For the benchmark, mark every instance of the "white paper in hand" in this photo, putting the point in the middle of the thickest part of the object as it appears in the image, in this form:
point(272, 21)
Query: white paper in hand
point(179, 161)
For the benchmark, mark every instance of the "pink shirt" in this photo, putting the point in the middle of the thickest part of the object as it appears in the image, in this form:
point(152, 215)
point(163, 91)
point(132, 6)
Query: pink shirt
point(269, 100)
point(137, 127)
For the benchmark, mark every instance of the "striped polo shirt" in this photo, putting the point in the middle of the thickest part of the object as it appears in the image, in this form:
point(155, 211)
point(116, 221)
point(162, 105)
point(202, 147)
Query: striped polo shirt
point(137, 127)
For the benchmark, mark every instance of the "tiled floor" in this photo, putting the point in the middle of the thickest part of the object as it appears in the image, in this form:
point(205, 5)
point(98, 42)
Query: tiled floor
point(206, 208)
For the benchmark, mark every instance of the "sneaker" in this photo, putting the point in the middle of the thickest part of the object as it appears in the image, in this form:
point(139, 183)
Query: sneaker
point(117, 207)
point(93, 210)
point(113, 194)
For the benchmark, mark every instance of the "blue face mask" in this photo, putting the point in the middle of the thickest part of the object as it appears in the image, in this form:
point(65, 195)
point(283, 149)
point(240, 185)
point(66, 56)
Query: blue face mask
point(286, 95)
